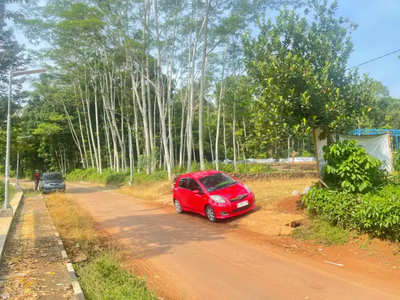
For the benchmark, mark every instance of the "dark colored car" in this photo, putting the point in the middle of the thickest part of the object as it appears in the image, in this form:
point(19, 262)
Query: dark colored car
point(212, 194)
point(52, 182)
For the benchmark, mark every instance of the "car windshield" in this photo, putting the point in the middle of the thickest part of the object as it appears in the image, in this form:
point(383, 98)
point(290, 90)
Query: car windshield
point(216, 181)
point(55, 176)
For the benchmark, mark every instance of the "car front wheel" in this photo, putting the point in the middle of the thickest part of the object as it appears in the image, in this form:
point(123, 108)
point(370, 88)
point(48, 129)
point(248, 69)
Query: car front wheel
point(178, 206)
point(210, 213)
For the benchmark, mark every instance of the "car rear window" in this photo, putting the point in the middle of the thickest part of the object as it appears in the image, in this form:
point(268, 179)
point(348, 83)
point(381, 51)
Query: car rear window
point(55, 176)
point(216, 181)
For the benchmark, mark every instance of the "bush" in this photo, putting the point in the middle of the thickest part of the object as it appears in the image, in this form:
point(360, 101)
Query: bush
point(350, 169)
point(228, 168)
point(115, 179)
point(332, 206)
point(376, 212)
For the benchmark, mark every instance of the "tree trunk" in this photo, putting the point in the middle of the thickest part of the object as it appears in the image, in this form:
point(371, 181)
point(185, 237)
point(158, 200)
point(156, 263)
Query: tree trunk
point(202, 87)
point(234, 135)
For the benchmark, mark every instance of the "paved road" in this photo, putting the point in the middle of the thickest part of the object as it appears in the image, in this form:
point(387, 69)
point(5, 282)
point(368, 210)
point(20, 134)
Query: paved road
point(195, 259)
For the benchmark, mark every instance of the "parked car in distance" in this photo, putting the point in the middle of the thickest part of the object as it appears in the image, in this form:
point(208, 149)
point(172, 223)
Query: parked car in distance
point(52, 182)
point(212, 194)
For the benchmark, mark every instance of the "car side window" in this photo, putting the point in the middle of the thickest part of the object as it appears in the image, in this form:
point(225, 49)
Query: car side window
point(183, 183)
point(193, 185)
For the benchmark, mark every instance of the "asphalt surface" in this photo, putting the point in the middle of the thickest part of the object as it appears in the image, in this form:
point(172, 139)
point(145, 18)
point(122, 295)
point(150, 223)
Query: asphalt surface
point(186, 257)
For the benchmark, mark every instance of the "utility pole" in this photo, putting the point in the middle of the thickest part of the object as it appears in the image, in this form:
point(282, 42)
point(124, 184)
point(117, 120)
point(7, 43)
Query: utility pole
point(16, 181)
point(7, 210)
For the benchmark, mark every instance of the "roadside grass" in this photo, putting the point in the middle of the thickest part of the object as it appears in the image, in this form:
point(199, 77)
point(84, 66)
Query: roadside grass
point(11, 191)
point(321, 232)
point(31, 192)
point(269, 193)
point(104, 278)
point(148, 190)
point(101, 273)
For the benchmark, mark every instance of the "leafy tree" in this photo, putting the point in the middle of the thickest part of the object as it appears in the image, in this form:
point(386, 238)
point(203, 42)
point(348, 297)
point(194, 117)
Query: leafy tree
point(299, 68)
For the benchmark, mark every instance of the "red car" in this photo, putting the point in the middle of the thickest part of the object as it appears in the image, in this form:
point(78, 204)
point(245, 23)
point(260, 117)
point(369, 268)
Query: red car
point(212, 194)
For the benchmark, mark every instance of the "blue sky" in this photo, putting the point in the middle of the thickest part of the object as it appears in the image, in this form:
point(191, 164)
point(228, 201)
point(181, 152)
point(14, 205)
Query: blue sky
point(377, 34)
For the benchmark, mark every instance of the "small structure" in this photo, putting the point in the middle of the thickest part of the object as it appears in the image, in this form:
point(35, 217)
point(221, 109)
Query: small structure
point(370, 131)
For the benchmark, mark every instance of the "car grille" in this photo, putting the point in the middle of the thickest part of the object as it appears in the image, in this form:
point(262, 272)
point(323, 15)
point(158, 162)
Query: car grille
point(241, 209)
point(239, 198)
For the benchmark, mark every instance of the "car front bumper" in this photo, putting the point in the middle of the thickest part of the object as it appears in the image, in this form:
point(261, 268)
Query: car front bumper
point(53, 189)
point(225, 212)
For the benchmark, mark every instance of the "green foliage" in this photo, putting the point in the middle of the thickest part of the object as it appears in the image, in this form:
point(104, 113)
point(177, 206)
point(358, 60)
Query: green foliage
point(331, 206)
point(114, 179)
point(105, 279)
point(11, 191)
point(350, 169)
point(323, 233)
point(229, 168)
point(299, 67)
point(376, 212)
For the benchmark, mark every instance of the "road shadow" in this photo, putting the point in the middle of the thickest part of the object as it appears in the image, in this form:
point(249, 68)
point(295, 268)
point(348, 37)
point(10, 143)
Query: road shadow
point(86, 190)
point(152, 232)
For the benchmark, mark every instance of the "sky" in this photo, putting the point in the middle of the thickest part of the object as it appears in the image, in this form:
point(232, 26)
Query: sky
point(377, 34)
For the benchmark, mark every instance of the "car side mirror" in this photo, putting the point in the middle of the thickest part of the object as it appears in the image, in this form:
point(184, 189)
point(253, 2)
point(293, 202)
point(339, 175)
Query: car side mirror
point(196, 192)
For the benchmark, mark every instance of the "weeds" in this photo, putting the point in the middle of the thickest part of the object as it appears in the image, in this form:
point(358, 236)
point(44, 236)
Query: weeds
point(102, 276)
point(323, 233)
point(148, 190)
point(31, 193)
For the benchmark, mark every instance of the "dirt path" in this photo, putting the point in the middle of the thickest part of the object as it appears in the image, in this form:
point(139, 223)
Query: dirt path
point(33, 267)
point(187, 257)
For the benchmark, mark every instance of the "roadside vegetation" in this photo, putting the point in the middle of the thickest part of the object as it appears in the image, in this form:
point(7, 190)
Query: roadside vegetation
point(100, 269)
point(360, 196)
point(270, 192)
point(11, 191)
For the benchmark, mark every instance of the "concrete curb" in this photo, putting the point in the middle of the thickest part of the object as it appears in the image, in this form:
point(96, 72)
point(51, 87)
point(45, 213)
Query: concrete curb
point(71, 272)
point(7, 222)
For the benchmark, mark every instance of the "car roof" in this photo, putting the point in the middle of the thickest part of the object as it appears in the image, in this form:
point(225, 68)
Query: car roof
point(48, 173)
point(200, 174)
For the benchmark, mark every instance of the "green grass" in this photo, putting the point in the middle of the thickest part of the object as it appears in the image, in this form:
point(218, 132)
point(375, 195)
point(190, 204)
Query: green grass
point(103, 276)
point(11, 191)
point(31, 193)
point(105, 279)
point(114, 179)
point(322, 232)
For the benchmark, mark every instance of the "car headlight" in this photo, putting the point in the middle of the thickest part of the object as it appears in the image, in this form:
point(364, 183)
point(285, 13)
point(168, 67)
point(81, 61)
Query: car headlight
point(247, 188)
point(218, 199)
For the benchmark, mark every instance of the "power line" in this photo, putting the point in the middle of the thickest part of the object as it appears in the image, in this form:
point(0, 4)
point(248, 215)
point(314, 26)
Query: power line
point(367, 62)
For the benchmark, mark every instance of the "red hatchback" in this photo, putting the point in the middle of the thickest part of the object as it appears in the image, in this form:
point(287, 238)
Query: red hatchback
point(212, 194)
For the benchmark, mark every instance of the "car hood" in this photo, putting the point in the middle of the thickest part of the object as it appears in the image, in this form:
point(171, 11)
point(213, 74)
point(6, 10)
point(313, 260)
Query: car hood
point(231, 192)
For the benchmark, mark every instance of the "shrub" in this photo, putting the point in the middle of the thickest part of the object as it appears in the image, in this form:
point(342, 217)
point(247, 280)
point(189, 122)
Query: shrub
point(332, 206)
point(114, 179)
point(350, 169)
point(376, 212)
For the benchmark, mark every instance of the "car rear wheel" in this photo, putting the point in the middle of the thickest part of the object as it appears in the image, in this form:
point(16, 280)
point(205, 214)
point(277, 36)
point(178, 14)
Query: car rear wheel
point(210, 214)
point(178, 206)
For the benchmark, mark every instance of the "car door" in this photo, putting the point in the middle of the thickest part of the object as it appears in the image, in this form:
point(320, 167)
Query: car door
point(183, 192)
point(195, 201)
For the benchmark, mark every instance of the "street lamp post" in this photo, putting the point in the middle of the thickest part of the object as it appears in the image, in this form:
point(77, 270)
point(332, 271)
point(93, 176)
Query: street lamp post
point(7, 209)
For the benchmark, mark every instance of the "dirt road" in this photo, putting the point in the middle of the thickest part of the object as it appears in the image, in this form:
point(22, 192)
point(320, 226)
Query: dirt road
point(186, 257)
